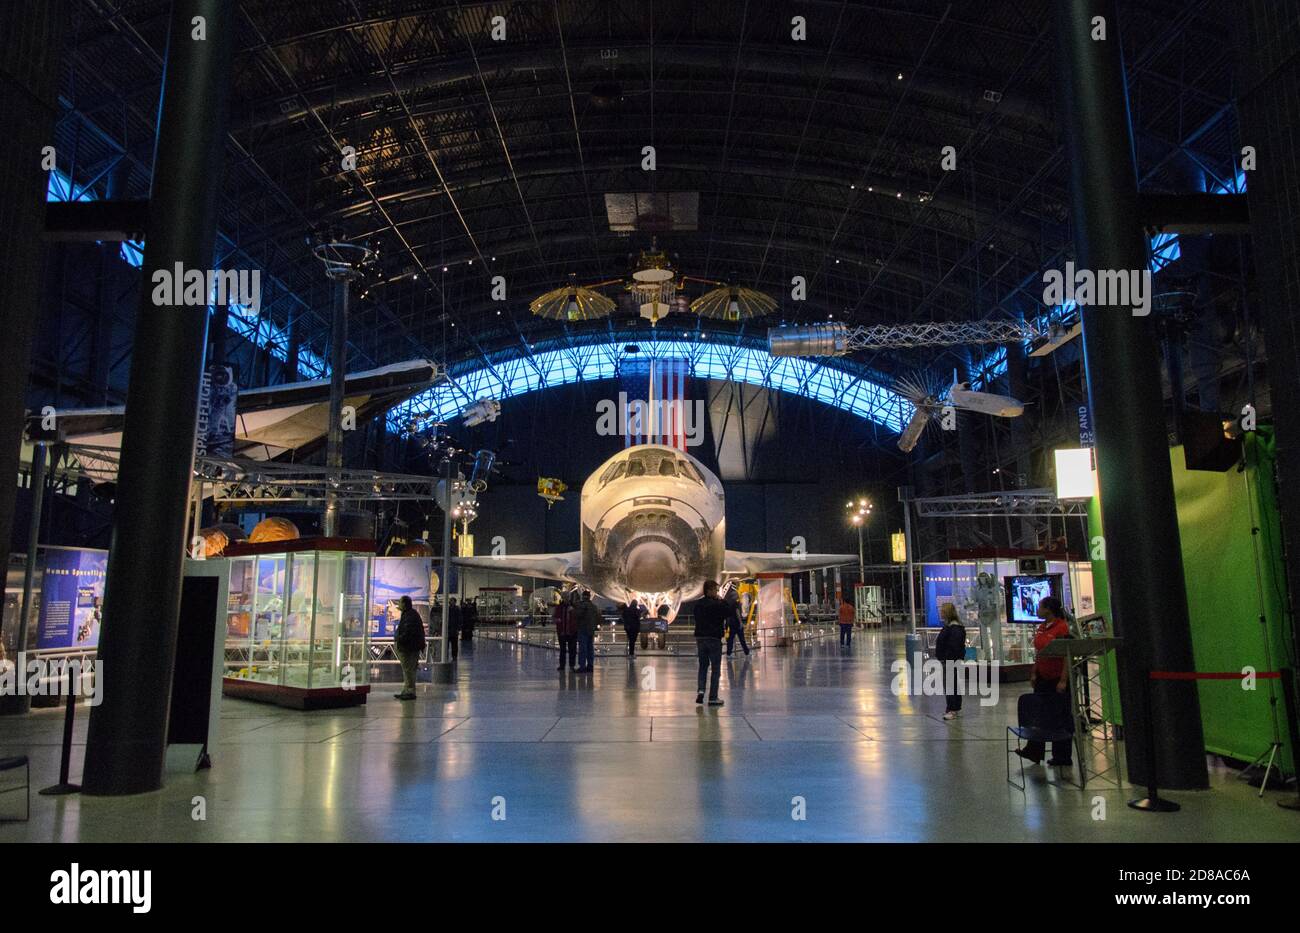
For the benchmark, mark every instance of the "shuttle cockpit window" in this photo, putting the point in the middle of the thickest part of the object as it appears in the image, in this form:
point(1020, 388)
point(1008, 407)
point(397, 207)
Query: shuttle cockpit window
point(636, 467)
point(688, 471)
point(666, 467)
point(613, 473)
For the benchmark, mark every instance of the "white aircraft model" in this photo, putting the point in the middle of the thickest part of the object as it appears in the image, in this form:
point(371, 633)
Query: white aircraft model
point(653, 530)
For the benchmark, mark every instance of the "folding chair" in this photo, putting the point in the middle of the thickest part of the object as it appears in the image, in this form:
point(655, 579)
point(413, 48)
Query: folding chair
point(13, 764)
point(1041, 719)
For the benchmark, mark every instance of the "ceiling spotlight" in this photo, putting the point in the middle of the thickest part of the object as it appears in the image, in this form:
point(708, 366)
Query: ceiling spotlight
point(853, 187)
point(900, 76)
point(444, 268)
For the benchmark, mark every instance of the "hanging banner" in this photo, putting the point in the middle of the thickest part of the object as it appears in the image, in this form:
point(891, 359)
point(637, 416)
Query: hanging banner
point(218, 393)
point(1086, 436)
point(72, 598)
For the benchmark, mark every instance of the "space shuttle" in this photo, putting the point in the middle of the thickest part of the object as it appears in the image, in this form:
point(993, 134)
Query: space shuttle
point(653, 530)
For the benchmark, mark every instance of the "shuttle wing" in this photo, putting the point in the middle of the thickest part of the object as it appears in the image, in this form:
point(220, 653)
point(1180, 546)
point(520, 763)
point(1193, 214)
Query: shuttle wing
point(748, 562)
point(566, 567)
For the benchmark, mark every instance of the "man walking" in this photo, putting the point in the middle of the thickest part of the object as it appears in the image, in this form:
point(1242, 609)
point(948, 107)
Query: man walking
point(735, 624)
point(711, 616)
point(630, 615)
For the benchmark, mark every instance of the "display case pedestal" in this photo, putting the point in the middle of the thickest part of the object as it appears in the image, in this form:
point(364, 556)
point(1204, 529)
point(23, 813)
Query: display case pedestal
point(295, 697)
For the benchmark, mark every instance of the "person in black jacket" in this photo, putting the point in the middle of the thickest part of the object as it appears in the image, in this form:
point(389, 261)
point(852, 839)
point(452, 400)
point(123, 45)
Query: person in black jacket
point(950, 648)
point(735, 624)
point(468, 619)
point(588, 618)
point(408, 642)
point(630, 616)
point(453, 627)
point(711, 616)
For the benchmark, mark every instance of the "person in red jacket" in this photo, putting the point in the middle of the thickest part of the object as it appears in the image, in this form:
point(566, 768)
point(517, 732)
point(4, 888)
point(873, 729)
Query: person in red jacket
point(847, 616)
point(566, 630)
point(1050, 677)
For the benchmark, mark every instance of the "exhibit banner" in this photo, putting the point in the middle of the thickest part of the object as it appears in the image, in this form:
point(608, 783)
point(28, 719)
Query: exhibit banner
point(72, 598)
point(218, 394)
point(390, 580)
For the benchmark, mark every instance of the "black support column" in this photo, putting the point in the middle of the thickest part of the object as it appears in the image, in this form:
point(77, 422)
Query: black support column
point(31, 34)
point(127, 737)
point(1148, 594)
point(1268, 82)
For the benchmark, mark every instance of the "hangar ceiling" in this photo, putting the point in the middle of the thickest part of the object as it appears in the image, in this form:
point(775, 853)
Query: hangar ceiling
point(775, 156)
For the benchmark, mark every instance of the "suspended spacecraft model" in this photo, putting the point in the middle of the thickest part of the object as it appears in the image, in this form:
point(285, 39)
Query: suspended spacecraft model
point(930, 403)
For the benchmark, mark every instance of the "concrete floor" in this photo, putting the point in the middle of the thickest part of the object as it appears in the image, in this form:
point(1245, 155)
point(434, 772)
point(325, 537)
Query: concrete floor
point(604, 758)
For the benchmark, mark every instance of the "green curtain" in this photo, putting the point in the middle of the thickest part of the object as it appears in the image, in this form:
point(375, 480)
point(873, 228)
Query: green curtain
point(1235, 594)
point(1234, 578)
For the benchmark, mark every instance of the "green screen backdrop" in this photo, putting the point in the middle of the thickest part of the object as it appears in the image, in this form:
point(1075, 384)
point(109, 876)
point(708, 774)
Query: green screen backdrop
point(1235, 594)
point(1234, 578)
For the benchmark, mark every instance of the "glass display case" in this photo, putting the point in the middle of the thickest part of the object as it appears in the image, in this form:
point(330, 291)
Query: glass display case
point(296, 631)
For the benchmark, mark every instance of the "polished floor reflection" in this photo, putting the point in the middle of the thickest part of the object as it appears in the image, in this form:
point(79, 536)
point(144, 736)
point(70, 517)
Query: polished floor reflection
point(811, 745)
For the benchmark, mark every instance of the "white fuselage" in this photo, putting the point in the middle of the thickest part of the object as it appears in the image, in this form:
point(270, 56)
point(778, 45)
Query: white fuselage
point(653, 527)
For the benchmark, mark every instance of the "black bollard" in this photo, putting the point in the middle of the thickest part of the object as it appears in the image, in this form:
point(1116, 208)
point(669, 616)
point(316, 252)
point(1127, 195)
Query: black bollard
point(70, 714)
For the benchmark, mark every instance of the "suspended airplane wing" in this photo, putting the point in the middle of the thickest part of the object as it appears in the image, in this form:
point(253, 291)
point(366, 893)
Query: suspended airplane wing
point(566, 566)
point(273, 420)
point(747, 563)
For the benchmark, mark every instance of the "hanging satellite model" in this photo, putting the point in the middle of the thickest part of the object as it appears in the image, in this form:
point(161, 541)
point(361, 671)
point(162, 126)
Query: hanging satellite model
point(931, 403)
point(551, 489)
point(653, 285)
point(655, 288)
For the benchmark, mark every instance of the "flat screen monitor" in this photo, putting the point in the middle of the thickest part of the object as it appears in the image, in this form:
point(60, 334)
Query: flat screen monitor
point(1024, 591)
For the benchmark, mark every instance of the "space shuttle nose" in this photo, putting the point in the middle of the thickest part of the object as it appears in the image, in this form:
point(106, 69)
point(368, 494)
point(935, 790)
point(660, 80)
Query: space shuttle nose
point(651, 567)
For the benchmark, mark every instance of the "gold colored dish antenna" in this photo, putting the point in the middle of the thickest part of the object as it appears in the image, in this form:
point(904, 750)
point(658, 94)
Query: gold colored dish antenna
point(572, 303)
point(733, 303)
